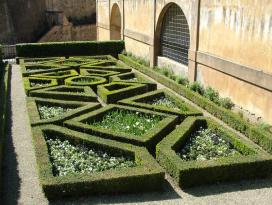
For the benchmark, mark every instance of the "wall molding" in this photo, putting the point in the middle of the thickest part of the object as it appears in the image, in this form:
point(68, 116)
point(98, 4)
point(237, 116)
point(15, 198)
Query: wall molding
point(101, 25)
point(244, 73)
point(138, 37)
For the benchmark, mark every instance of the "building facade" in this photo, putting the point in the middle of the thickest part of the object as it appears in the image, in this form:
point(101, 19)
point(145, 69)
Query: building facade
point(225, 44)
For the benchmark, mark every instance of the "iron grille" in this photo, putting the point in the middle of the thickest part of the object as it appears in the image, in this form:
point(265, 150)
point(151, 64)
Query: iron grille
point(175, 35)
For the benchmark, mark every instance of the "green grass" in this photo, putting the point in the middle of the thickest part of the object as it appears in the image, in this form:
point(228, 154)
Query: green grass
point(69, 159)
point(206, 144)
point(131, 122)
point(48, 112)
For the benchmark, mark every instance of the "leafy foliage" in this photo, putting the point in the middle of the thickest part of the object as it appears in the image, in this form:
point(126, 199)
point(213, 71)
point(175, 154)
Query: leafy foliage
point(166, 102)
point(197, 87)
point(131, 122)
point(205, 144)
point(68, 159)
point(47, 112)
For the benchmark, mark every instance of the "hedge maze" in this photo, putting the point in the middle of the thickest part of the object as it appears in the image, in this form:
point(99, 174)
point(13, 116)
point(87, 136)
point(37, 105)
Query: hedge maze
point(99, 127)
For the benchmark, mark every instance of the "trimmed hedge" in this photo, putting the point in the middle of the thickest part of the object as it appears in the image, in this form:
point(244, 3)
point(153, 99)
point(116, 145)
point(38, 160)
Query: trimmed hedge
point(76, 48)
point(64, 92)
point(149, 139)
point(113, 92)
point(29, 80)
point(119, 69)
point(134, 78)
point(253, 161)
point(60, 76)
point(35, 69)
point(93, 85)
point(143, 101)
point(5, 74)
point(79, 108)
point(259, 136)
point(96, 72)
point(146, 176)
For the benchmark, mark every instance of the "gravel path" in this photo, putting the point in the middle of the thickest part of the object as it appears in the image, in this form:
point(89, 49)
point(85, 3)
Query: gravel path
point(21, 185)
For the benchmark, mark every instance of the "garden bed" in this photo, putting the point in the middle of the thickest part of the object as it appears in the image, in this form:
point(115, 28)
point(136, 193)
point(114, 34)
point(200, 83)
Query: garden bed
point(125, 169)
point(134, 78)
point(133, 125)
point(113, 92)
point(46, 111)
point(200, 151)
point(35, 83)
point(162, 101)
point(64, 92)
point(96, 72)
point(91, 81)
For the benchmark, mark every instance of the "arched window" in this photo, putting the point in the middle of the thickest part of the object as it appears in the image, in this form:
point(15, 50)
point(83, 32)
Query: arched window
point(115, 23)
point(175, 35)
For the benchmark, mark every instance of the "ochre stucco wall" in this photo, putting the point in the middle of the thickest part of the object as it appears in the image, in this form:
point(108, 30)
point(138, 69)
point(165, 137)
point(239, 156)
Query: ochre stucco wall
point(238, 30)
point(255, 99)
point(137, 48)
point(103, 34)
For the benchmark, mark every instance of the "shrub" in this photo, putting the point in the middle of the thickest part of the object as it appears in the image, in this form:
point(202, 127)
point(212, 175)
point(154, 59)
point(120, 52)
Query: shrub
point(182, 80)
point(197, 87)
point(226, 103)
point(35, 83)
point(250, 162)
point(212, 95)
point(146, 176)
point(81, 48)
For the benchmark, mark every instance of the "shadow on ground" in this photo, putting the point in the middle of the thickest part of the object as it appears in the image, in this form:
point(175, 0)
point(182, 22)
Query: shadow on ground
point(11, 179)
point(167, 193)
point(230, 187)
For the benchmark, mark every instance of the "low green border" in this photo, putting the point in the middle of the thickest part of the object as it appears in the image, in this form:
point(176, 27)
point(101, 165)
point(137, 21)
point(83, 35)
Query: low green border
point(124, 77)
point(79, 109)
point(93, 85)
point(52, 93)
point(147, 176)
point(136, 102)
point(59, 78)
point(103, 73)
point(149, 139)
point(108, 68)
point(255, 162)
point(112, 96)
point(29, 88)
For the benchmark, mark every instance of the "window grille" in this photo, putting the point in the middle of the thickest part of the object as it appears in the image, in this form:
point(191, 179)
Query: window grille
point(175, 35)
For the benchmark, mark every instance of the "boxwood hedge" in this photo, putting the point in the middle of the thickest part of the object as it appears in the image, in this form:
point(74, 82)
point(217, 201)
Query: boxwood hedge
point(258, 135)
point(40, 83)
point(149, 139)
point(146, 100)
point(97, 72)
point(64, 92)
point(78, 108)
point(253, 161)
point(146, 176)
point(113, 92)
point(133, 77)
point(78, 48)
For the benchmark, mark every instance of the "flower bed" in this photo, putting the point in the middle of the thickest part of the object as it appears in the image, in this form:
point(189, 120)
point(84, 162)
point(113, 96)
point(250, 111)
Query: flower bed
point(113, 92)
point(34, 83)
point(45, 111)
point(195, 157)
point(125, 169)
point(104, 122)
point(69, 159)
point(91, 81)
point(63, 92)
point(162, 101)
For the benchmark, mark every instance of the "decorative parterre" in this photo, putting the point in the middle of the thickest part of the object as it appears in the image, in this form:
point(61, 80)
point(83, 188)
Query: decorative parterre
point(99, 127)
